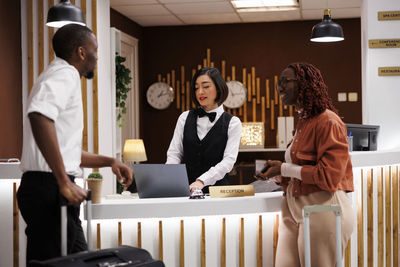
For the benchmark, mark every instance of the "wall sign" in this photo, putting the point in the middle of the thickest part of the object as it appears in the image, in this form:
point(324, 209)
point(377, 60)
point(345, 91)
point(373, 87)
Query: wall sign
point(389, 71)
point(384, 43)
point(389, 15)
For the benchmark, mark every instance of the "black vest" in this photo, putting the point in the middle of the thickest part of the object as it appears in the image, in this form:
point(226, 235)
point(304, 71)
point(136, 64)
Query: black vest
point(200, 156)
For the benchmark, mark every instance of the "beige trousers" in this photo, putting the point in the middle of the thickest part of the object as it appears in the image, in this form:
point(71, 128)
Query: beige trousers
point(290, 250)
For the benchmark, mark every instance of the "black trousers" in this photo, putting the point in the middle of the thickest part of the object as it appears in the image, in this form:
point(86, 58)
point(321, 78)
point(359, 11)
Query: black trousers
point(39, 202)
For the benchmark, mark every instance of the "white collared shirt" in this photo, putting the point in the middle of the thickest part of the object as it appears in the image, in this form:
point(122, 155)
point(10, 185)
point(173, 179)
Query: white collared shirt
point(57, 95)
point(217, 172)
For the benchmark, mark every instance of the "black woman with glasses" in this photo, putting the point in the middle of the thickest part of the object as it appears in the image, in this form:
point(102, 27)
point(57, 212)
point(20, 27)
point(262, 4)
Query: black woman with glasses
point(317, 170)
point(207, 138)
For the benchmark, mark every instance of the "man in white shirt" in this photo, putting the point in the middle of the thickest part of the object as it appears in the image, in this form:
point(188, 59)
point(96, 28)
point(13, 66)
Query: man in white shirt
point(52, 150)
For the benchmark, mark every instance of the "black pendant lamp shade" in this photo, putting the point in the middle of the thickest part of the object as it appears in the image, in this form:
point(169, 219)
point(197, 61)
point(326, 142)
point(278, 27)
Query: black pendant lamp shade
point(64, 13)
point(327, 30)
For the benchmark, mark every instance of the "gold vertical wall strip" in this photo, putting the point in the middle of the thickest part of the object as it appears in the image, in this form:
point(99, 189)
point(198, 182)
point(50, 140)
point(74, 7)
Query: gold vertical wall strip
point(183, 78)
point(182, 246)
point(245, 111)
point(95, 88)
point(160, 241)
point(85, 142)
point(159, 77)
point(51, 33)
point(30, 45)
point(244, 77)
point(203, 243)
point(40, 36)
point(275, 234)
point(388, 219)
point(253, 80)
point(248, 87)
point(15, 227)
point(267, 92)
point(85, 137)
point(263, 109)
point(233, 73)
point(187, 95)
point(98, 243)
point(223, 243)
point(280, 107)
point(370, 219)
point(223, 64)
point(258, 89)
point(347, 259)
point(119, 234)
point(254, 110)
point(139, 235)
point(380, 218)
point(291, 111)
point(169, 79)
point(360, 224)
point(241, 243)
point(259, 243)
point(212, 64)
point(395, 212)
point(204, 62)
point(272, 115)
point(173, 79)
point(276, 91)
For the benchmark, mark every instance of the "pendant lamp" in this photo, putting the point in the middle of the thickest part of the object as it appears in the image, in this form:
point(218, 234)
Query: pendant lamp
point(64, 13)
point(327, 30)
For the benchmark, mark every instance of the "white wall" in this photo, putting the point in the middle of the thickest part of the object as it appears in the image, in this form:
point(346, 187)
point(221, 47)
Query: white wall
point(380, 94)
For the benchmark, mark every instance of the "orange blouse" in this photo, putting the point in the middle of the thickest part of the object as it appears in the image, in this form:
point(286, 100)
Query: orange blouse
point(320, 147)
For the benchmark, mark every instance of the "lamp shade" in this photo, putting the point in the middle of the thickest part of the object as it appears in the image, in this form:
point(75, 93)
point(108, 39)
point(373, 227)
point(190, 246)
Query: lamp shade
point(134, 151)
point(327, 30)
point(64, 13)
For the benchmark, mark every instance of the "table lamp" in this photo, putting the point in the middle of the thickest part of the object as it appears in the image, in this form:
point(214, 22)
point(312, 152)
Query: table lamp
point(134, 151)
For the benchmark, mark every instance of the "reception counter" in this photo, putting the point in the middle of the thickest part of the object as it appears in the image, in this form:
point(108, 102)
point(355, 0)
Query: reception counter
point(231, 231)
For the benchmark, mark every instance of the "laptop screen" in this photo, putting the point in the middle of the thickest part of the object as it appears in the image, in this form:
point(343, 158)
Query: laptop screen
point(161, 180)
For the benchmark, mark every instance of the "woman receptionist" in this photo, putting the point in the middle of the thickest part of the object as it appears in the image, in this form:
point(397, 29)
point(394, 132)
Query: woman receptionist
point(207, 138)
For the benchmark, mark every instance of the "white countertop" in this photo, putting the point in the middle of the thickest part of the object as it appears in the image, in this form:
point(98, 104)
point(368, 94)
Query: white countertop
point(183, 206)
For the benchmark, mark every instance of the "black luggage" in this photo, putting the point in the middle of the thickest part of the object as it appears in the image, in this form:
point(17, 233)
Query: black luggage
point(112, 257)
point(122, 256)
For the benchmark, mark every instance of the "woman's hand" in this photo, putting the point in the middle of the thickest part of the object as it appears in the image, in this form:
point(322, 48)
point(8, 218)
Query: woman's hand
point(272, 172)
point(198, 184)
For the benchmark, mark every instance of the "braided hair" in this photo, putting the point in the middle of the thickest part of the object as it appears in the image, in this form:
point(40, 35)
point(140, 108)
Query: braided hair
point(313, 96)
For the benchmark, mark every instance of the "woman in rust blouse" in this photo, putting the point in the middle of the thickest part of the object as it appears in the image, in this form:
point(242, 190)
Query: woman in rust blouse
point(317, 170)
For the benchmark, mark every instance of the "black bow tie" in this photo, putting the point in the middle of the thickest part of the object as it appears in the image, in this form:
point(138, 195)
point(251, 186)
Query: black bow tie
point(201, 113)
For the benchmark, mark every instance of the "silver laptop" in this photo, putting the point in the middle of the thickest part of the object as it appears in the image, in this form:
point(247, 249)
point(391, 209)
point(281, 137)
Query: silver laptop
point(161, 180)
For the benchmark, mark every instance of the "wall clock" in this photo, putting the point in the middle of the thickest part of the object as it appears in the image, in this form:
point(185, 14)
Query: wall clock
point(236, 96)
point(160, 95)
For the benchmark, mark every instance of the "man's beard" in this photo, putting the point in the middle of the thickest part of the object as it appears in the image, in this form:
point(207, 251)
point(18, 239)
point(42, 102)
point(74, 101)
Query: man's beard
point(90, 75)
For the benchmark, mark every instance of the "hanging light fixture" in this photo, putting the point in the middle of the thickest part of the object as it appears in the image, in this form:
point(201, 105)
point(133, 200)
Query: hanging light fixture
point(327, 30)
point(64, 13)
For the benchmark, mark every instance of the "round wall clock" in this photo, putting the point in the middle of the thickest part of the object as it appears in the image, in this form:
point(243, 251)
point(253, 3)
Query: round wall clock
point(236, 96)
point(160, 95)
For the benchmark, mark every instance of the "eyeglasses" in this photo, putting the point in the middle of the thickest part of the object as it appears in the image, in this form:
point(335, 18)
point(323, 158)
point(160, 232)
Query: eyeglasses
point(283, 81)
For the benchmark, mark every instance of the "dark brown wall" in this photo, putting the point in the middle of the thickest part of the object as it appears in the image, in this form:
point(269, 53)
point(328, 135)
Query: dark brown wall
point(267, 46)
point(10, 80)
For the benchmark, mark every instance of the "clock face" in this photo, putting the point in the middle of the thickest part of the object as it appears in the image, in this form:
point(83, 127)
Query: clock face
point(236, 96)
point(160, 95)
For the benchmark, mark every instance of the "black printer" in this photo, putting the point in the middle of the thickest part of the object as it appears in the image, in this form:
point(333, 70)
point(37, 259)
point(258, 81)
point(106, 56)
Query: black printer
point(365, 137)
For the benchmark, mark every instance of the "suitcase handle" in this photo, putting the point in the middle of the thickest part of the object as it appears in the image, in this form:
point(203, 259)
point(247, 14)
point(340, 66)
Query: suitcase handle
point(63, 203)
point(307, 210)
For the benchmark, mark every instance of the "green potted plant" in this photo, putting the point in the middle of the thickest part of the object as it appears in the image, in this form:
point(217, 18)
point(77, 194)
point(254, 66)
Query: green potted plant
point(122, 80)
point(95, 182)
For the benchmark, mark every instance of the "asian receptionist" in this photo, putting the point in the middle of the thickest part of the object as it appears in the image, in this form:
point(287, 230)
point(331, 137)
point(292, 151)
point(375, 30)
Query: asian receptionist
point(207, 138)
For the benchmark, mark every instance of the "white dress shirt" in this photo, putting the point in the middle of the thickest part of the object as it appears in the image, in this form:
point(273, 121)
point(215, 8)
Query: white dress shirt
point(217, 172)
point(57, 95)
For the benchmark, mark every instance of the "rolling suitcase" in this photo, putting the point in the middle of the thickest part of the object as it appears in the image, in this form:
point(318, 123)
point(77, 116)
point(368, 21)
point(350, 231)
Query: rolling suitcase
point(112, 257)
point(307, 210)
